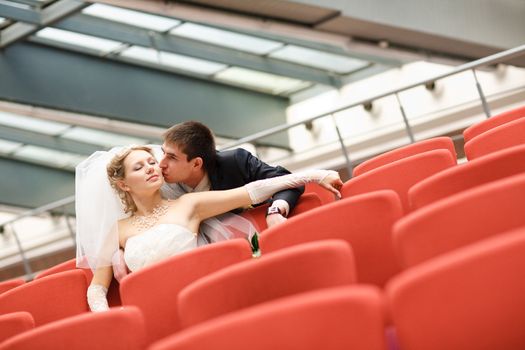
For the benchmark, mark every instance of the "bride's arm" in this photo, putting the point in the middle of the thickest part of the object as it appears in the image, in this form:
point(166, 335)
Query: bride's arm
point(98, 289)
point(203, 205)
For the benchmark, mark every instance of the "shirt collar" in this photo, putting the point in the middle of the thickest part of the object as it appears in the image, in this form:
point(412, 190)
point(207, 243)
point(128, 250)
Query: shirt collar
point(203, 185)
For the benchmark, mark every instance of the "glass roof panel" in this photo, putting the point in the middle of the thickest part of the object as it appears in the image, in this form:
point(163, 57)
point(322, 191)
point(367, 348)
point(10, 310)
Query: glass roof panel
point(173, 60)
point(226, 38)
point(88, 41)
point(32, 124)
point(319, 59)
point(48, 156)
point(101, 138)
point(274, 84)
point(135, 18)
point(7, 147)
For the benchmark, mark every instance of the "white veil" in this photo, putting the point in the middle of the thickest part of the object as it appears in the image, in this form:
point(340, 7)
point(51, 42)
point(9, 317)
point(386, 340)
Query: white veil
point(98, 209)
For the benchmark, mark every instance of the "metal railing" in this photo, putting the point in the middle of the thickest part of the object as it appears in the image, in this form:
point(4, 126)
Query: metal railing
point(489, 60)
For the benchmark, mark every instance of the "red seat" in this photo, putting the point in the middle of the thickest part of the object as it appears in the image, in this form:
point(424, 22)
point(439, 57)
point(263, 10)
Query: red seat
point(10, 284)
point(14, 323)
point(113, 295)
point(364, 221)
point(459, 220)
point(498, 138)
point(470, 299)
point(500, 119)
point(464, 176)
point(50, 298)
point(257, 215)
point(336, 318)
point(293, 270)
point(154, 289)
point(400, 175)
point(115, 330)
point(406, 151)
point(325, 196)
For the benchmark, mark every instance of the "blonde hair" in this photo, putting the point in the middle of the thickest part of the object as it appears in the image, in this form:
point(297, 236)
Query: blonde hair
point(116, 172)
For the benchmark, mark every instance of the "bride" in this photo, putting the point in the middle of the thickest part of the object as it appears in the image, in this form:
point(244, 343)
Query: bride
point(133, 215)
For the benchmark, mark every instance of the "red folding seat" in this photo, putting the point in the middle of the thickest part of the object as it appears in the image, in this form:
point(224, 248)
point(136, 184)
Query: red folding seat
point(459, 220)
point(469, 299)
point(498, 138)
point(115, 329)
point(500, 119)
point(325, 196)
point(257, 215)
point(302, 268)
point(113, 295)
point(364, 221)
point(154, 289)
point(10, 284)
point(50, 298)
point(405, 151)
point(14, 323)
point(335, 318)
point(400, 175)
point(497, 165)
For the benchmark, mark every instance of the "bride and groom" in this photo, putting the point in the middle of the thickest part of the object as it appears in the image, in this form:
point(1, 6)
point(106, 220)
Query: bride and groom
point(123, 203)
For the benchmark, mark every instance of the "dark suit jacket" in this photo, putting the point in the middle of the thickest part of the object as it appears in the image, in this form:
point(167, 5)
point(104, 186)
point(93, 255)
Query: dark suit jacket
point(235, 168)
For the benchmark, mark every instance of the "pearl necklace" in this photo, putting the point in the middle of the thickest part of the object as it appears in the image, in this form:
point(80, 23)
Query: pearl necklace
point(144, 222)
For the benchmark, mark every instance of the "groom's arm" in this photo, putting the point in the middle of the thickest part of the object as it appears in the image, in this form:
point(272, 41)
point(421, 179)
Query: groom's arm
point(254, 169)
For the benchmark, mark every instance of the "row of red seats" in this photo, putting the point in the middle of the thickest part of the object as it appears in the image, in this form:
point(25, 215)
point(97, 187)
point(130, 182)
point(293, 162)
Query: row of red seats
point(429, 180)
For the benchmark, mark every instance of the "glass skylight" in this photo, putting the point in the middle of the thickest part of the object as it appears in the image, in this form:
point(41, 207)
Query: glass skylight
point(32, 124)
point(173, 60)
point(135, 18)
point(274, 84)
point(101, 138)
point(319, 59)
point(226, 38)
point(48, 156)
point(88, 41)
point(7, 147)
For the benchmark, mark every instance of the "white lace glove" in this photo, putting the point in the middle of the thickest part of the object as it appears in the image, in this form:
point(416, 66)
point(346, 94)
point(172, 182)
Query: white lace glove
point(261, 190)
point(96, 297)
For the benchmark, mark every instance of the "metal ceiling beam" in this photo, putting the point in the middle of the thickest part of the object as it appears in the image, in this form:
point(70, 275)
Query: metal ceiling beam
point(22, 14)
point(47, 16)
point(43, 76)
point(29, 185)
point(90, 25)
point(47, 141)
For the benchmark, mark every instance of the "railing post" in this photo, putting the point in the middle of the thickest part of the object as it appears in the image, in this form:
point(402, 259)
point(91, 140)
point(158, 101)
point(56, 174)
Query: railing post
point(481, 95)
point(405, 119)
point(27, 266)
point(343, 148)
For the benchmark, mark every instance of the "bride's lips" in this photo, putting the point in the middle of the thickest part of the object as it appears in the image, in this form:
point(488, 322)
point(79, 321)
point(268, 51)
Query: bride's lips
point(155, 177)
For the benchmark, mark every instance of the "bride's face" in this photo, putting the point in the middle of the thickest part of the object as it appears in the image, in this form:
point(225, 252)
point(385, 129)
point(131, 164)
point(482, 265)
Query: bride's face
point(142, 172)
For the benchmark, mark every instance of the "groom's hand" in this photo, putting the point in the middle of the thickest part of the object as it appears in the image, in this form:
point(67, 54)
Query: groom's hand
point(274, 219)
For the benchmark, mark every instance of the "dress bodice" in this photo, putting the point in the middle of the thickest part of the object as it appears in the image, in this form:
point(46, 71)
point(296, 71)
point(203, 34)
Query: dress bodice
point(157, 243)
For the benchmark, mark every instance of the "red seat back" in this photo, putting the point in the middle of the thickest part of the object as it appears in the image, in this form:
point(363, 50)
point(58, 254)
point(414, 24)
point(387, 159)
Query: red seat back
point(498, 138)
point(406, 151)
point(462, 219)
point(400, 175)
point(14, 323)
point(290, 271)
point(500, 119)
point(154, 289)
point(448, 182)
point(470, 299)
point(50, 298)
point(336, 318)
point(114, 329)
point(364, 221)
point(10, 284)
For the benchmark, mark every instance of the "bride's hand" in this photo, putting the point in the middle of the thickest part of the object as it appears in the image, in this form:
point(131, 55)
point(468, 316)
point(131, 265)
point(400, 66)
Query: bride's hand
point(332, 182)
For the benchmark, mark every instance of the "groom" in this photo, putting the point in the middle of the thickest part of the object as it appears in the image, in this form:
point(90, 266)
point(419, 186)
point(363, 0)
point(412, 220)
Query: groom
point(191, 163)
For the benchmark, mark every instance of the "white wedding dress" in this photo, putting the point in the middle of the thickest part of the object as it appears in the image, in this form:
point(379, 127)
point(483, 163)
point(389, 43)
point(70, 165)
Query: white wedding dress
point(157, 243)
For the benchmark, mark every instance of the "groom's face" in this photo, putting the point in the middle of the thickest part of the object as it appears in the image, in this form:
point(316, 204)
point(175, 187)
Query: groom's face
point(175, 165)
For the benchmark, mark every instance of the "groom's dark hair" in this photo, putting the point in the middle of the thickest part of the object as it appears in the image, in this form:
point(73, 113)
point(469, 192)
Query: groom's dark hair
point(195, 140)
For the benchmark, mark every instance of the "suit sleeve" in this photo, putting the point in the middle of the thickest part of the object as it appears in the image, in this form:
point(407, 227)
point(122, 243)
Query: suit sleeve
point(254, 169)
